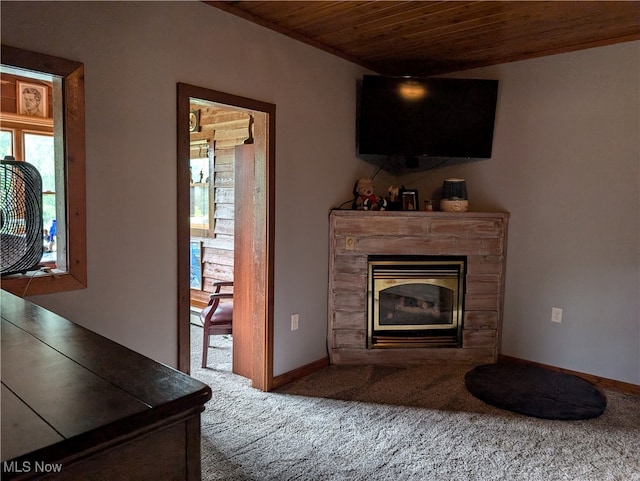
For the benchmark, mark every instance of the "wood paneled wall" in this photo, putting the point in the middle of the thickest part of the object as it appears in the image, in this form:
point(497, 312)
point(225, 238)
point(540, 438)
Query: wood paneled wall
point(9, 94)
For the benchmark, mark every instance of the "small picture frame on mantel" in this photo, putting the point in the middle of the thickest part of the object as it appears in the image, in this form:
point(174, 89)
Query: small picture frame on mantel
point(410, 200)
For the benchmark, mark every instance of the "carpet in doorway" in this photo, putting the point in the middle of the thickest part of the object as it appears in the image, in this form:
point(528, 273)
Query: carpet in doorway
point(535, 391)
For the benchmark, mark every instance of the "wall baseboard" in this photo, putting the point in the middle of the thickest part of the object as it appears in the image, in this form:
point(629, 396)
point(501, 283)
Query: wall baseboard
point(601, 382)
point(300, 372)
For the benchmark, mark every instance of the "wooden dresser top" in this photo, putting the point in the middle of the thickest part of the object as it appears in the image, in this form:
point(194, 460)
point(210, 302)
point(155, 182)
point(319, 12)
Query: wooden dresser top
point(66, 388)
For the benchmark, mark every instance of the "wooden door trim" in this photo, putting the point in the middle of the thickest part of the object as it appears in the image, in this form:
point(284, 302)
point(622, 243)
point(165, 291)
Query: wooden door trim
point(262, 377)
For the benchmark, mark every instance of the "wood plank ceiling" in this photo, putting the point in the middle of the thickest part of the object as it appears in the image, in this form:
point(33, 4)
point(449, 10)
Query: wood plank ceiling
point(427, 38)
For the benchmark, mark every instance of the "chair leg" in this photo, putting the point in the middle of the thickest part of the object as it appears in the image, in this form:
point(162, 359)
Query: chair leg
point(205, 346)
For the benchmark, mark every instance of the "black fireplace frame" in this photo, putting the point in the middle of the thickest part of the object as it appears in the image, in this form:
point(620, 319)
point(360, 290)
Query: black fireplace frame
point(429, 335)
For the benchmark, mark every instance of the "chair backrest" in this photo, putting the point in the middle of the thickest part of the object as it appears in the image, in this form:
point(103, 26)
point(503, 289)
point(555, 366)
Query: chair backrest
point(213, 309)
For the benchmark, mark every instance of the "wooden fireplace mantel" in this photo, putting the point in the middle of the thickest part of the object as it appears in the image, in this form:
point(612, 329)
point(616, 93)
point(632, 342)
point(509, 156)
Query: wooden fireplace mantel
point(355, 235)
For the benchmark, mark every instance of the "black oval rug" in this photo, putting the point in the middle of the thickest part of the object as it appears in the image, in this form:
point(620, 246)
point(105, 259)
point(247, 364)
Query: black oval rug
point(535, 391)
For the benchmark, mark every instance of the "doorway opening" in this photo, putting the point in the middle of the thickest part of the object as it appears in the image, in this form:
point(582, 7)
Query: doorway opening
point(215, 130)
point(225, 220)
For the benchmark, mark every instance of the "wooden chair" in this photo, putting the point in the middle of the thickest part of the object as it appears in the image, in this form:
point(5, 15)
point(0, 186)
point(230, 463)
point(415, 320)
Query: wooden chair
point(217, 317)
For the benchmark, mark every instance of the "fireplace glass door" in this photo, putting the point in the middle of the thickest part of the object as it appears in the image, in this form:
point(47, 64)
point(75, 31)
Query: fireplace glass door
point(415, 302)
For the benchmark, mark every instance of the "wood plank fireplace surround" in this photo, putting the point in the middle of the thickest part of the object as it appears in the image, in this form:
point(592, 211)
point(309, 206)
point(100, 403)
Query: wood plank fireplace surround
point(357, 237)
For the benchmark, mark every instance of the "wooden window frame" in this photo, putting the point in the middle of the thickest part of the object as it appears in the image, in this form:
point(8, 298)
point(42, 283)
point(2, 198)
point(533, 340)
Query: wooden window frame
point(69, 129)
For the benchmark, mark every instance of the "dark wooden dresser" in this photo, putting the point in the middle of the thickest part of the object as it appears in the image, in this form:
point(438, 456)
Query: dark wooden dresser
point(77, 406)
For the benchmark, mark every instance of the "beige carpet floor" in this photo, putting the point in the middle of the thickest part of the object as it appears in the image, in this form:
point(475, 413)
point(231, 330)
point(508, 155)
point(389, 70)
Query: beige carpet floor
point(398, 423)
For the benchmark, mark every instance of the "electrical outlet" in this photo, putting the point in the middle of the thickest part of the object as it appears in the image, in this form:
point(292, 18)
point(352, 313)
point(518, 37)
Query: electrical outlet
point(295, 318)
point(556, 314)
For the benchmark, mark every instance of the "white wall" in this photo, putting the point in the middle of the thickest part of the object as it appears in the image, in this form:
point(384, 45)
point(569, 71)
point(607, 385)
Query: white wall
point(134, 54)
point(565, 165)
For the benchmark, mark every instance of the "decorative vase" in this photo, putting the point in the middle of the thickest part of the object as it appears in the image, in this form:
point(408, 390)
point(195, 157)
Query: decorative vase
point(454, 196)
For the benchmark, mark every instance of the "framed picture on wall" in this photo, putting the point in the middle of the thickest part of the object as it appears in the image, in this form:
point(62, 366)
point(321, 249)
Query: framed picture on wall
point(195, 249)
point(410, 200)
point(32, 99)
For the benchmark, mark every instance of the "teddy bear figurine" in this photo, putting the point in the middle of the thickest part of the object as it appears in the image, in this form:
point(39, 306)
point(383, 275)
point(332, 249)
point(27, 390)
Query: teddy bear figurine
point(364, 196)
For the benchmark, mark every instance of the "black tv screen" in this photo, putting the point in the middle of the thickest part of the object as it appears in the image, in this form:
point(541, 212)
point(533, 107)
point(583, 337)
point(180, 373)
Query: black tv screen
point(436, 117)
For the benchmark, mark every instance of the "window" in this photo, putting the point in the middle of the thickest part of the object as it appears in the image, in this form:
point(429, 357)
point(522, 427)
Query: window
point(38, 151)
point(50, 135)
point(6, 143)
point(199, 208)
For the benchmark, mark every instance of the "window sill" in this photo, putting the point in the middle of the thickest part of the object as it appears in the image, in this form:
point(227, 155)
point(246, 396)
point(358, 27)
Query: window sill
point(41, 282)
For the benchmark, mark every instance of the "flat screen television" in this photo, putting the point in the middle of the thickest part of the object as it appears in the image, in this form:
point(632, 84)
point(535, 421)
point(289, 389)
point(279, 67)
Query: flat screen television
point(435, 117)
